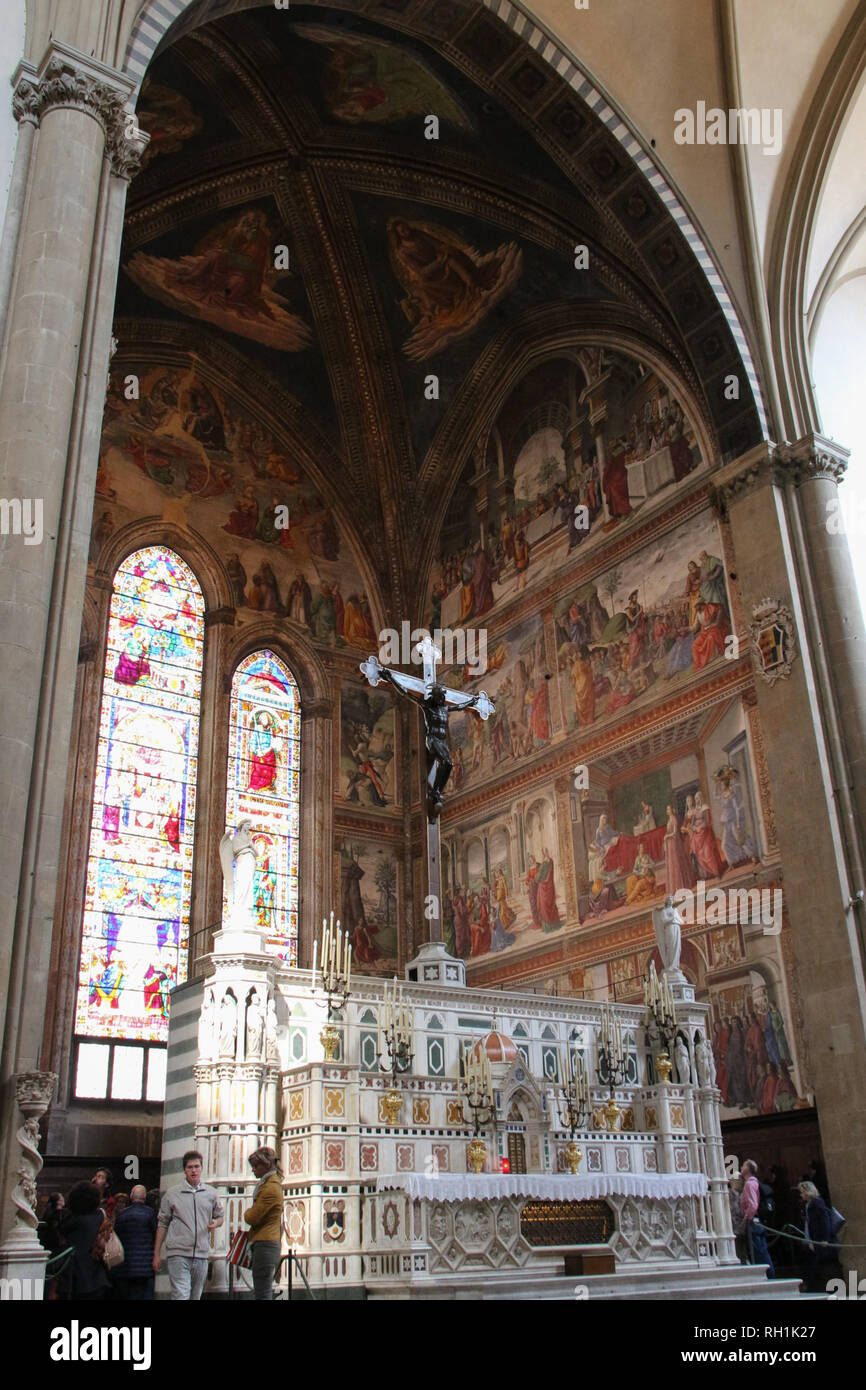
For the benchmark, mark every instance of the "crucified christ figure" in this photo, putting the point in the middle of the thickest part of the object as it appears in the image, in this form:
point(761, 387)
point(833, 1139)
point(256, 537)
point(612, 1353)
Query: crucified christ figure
point(436, 703)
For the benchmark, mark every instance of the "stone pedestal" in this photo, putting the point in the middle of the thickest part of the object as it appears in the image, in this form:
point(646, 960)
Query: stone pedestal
point(434, 966)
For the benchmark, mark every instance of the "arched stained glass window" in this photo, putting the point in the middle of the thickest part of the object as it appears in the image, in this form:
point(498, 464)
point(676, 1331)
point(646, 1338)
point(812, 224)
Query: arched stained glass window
point(139, 870)
point(263, 787)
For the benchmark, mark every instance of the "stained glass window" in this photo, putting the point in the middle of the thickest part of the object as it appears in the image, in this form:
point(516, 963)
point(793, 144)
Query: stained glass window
point(139, 867)
point(263, 786)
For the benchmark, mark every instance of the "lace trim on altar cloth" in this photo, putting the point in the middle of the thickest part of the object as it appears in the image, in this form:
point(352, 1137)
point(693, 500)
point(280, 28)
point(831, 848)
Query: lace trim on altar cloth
point(462, 1187)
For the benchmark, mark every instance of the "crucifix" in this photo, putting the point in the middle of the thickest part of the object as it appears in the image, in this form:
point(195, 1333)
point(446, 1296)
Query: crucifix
point(436, 702)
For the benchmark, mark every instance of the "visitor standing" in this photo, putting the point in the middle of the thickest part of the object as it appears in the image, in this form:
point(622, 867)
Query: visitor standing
point(136, 1229)
point(265, 1218)
point(187, 1215)
point(756, 1238)
point(86, 1276)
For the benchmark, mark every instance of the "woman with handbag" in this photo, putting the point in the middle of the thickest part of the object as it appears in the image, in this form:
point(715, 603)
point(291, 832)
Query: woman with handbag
point(264, 1218)
point(86, 1276)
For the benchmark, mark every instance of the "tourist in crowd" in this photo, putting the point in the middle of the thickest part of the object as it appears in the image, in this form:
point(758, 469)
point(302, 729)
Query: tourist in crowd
point(756, 1240)
point(738, 1224)
point(86, 1276)
point(265, 1218)
point(188, 1214)
point(102, 1181)
point(135, 1227)
point(48, 1229)
point(822, 1250)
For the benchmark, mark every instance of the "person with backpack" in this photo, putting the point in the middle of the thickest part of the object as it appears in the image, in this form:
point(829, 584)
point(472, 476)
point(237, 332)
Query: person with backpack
point(756, 1237)
point(822, 1227)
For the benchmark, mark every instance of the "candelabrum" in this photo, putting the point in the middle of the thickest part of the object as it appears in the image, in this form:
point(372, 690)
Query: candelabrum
point(659, 1018)
point(575, 1108)
point(478, 1095)
point(396, 1044)
point(613, 1060)
point(336, 970)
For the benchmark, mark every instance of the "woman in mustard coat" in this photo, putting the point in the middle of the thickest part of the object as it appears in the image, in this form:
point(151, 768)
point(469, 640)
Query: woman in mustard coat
point(265, 1218)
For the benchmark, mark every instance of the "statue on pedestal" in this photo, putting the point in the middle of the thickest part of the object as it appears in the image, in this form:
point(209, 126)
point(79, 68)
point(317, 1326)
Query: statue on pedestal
point(705, 1063)
point(228, 1024)
point(238, 860)
point(271, 1050)
point(207, 1019)
point(255, 1027)
point(668, 926)
point(681, 1053)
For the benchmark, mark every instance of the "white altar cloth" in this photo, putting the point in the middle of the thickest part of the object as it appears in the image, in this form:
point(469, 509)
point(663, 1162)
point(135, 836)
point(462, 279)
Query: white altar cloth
point(555, 1187)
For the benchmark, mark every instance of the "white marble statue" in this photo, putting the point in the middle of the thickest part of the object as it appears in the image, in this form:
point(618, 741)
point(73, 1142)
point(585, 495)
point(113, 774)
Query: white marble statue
point(705, 1063)
point(228, 1025)
point(255, 1027)
point(206, 1021)
point(238, 860)
point(668, 928)
point(271, 1049)
point(681, 1053)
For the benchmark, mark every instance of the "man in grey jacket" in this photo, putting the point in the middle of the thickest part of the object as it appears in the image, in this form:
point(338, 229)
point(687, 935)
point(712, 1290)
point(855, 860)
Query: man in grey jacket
point(187, 1215)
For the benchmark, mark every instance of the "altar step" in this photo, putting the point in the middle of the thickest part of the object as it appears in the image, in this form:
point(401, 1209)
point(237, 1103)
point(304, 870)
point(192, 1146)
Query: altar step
point(727, 1283)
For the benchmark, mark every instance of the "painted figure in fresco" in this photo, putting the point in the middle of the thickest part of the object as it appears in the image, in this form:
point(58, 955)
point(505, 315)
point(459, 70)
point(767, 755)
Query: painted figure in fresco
point(449, 287)
point(480, 932)
point(641, 882)
point(462, 925)
point(238, 577)
point(703, 841)
point(365, 772)
point(448, 934)
point(604, 837)
point(710, 629)
point(679, 872)
point(614, 481)
point(756, 1060)
point(531, 884)
point(548, 911)
point(323, 616)
point(738, 847)
point(647, 820)
point(500, 892)
point(370, 81)
point(226, 281)
point(584, 687)
point(244, 518)
point(521, 559)
point(635, 626)
point(262, 753)
point(167, 117)
point(737, 1088)
point(364, 949)
point(300, 600)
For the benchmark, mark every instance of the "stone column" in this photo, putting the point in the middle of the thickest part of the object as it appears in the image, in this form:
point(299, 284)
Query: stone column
point(784, 555)
point(23, 1258)
point(70, 201)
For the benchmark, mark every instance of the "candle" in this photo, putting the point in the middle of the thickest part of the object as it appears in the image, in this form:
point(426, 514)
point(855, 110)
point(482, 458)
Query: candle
point(315, 948)
point(349, 969)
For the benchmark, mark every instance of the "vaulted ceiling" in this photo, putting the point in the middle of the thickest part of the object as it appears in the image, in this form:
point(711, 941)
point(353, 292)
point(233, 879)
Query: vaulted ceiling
point(314, 125)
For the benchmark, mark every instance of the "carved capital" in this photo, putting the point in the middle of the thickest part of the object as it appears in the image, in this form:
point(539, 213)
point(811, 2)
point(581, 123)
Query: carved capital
point(813, 457)
point(760, 467)
point(33, 1091)
point(65, 82)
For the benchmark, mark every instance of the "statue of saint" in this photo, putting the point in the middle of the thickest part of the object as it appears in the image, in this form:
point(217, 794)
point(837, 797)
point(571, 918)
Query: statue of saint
point(238, 860)
point(228, 1024)
point(705, 1063)
point(206, 1021)
point(681, 1053)
point(668, 928)
point(255, 1027)
point(271, 1050)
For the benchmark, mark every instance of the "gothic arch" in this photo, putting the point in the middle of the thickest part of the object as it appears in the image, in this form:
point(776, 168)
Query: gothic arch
point(156, 18)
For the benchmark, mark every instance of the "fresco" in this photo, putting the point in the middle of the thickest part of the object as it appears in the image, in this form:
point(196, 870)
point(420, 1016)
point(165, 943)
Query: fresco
point(228, 279)
point(369, 889)
point(519, 685)
point(367, 742)
point(660, 613)
point(751, 1038)
point(649, 837)
point(168, 118)
point(449, 286)
point(186, 452)
point(562, 488)
point(368, 81)
point(506, 896)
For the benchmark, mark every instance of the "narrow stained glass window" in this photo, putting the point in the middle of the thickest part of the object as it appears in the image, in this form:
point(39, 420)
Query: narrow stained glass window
point(263, 787)
point(139, 869)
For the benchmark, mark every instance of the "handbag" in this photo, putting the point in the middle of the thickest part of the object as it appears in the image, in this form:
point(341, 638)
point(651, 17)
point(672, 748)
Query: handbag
point(240, 1255)
point(107, 1248)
